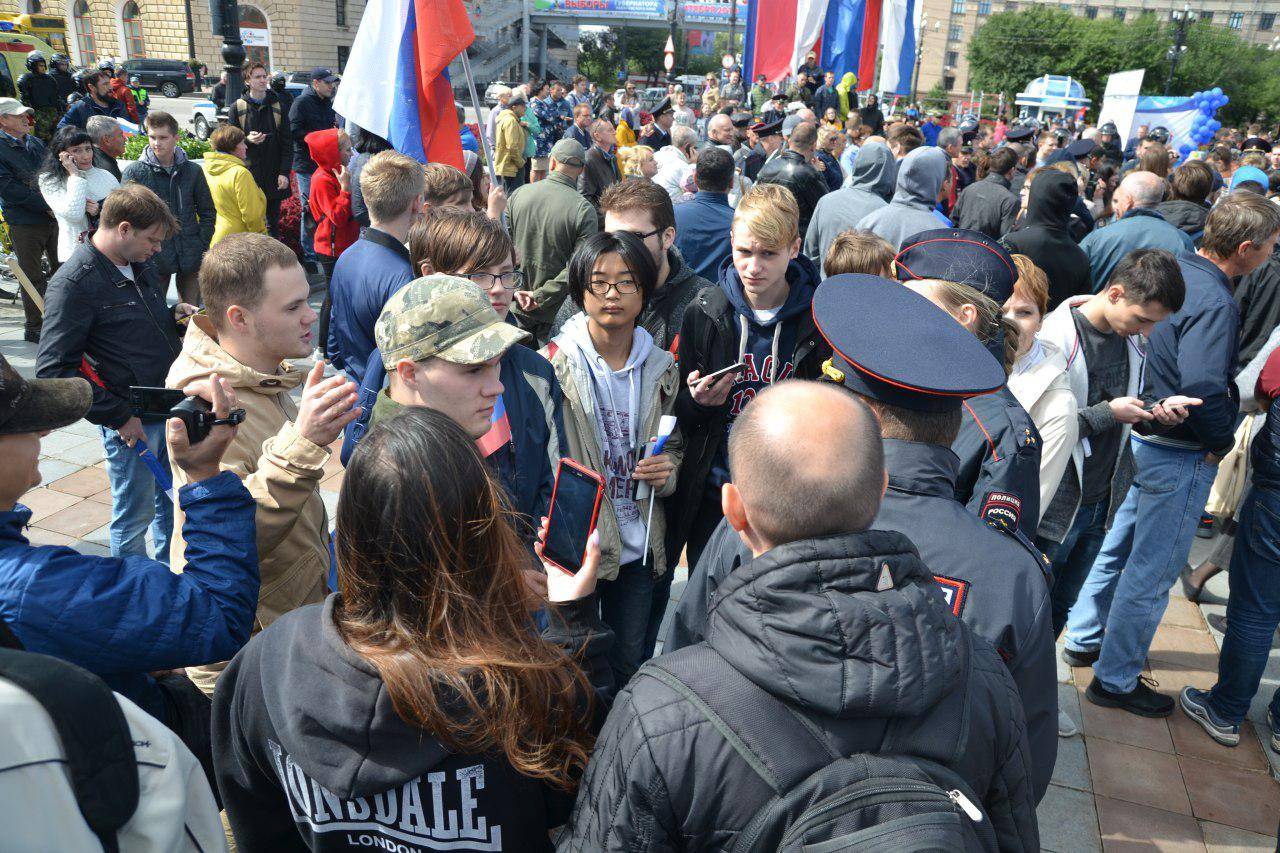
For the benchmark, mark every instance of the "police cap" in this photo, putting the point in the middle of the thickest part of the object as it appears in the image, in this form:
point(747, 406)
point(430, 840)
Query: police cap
point(664, 106)
point(1082, 148)
point(768, 128)
point(1019, 133)
point(741, 120)
point(893, 345)
point(965, 257)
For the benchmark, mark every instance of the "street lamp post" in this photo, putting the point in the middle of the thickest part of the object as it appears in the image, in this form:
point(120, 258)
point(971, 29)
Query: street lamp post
point(226, 24)
point(1182, 18)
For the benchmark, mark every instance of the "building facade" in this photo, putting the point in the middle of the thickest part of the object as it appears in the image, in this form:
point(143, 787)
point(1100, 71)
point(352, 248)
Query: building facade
point(949, 25)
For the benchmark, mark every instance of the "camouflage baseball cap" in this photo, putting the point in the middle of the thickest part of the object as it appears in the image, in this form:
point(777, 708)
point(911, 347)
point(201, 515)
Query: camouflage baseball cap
point(442, 316)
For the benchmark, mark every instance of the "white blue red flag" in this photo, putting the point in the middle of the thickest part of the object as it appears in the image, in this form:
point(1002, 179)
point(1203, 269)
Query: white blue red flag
point(850, 38)
point(780, 33)
point(898, 42)
point(396, 83)
point(499, 434)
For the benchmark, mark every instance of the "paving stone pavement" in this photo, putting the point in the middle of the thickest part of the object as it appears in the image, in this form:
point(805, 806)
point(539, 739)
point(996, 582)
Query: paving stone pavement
point(1124, 783)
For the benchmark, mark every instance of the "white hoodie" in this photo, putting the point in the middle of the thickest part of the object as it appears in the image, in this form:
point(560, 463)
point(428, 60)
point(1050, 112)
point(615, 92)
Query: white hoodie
point(616, 402)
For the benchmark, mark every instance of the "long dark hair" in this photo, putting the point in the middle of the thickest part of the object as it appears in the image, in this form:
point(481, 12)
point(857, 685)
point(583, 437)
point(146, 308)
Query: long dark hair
point(634, 254)
point(432, 597)
point(68, 137)
point(367, 142)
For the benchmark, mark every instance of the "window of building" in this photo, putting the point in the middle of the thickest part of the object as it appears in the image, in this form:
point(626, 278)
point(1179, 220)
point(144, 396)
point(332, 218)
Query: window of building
point(948, 82)
point(344, 53)
point(82, 24)
point(131, 27)
point(984, 7)
point(951, 59)
point(957, 7)
point(1266, 20)
point(1118, 14)
point(341, 13)
point(1235, 20)
point(1206, 16)
point(256, 35)
point(1011, 6)
point(956, 33)
point(1091, 12)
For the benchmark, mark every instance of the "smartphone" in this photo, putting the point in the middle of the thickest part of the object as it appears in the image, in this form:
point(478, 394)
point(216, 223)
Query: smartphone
point(733, 368)
point(575, 506)
point(154, 403)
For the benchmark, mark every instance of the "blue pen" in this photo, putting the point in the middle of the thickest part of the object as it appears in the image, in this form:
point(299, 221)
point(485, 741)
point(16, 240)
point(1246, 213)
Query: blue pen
point(157, 470)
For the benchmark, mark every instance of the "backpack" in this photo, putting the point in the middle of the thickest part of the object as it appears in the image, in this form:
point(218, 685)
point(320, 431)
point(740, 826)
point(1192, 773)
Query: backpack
point(871, 801)
point(240, 109)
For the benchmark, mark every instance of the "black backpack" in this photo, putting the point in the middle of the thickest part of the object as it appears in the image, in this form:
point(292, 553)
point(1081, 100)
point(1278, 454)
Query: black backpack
point(871, 801)
point(94, 733)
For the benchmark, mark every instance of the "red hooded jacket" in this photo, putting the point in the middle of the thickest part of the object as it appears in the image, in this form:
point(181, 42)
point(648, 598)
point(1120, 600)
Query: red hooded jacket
point(330, 203)
point(121, 92)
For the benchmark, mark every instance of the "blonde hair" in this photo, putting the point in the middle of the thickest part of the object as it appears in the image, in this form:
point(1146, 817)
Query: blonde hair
point(855, 251)
point(1032, 284)
point(390, 183)
point(953, 296)
point(630, 158)
point(770, 213)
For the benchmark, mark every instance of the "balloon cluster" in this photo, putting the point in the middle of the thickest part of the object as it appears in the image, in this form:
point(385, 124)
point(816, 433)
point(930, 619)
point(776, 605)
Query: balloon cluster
point(1204, 125)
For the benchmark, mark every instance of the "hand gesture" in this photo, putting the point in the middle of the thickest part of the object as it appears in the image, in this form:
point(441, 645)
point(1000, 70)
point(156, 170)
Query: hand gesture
point(327, 406)
point(255, 137)
point(282, 182)
point(710, 393)
point(561, 585)
point(1172, 411)
point(1129, 410)
point(654, 470)
point(200, 461)
point(497, 203)
point(91, 207)
point(69, 163)
point(525, 300)
point(344, 177)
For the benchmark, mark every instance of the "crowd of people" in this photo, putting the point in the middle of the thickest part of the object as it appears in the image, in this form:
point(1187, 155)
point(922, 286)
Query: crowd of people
point(944, 392)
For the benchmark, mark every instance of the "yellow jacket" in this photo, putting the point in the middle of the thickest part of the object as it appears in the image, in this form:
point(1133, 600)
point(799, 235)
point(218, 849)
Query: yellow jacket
point(239, 200)
point(508, 144)
point(625, 135)
point(280, 468)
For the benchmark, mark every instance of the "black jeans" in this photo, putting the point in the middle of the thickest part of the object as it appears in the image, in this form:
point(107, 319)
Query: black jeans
point(30, 244)
point(273, 216)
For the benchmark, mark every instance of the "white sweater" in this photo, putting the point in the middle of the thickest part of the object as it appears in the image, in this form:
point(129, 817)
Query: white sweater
point(67, 199)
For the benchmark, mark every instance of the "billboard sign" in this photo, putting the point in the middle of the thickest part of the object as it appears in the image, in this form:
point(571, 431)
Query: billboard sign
point(712, 13)
point(655, 9)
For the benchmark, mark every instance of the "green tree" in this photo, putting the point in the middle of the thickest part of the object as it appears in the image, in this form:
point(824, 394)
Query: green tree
point(1012, 48)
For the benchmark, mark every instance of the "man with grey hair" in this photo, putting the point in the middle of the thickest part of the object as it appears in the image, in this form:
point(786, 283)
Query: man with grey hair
point(1137, 225)
point(675, 161)
point(108, 143)
point(828, 632)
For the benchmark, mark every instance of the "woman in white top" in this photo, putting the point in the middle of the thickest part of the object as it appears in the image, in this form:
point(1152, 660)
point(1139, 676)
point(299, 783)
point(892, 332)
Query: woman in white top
point(73, 188)
point(1039, 378)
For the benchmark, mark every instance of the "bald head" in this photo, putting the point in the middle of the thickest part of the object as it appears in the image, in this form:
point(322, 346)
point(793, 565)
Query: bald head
point(807, 460)
point(1141, 189)
point(720, 129)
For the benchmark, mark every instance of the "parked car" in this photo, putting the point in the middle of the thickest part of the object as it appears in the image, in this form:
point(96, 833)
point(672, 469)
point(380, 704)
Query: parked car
point(204, 118)
point(651, 97)
point(171, 77)
point(491, 99)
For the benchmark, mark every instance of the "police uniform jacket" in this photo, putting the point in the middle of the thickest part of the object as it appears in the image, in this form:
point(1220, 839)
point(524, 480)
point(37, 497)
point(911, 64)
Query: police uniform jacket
point(999, 451)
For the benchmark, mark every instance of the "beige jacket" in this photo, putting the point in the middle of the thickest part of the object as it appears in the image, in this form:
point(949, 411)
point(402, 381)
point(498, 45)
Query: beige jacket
point(280, 468)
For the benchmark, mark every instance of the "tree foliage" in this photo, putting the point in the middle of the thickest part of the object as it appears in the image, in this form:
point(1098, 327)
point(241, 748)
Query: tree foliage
point(1013, 48)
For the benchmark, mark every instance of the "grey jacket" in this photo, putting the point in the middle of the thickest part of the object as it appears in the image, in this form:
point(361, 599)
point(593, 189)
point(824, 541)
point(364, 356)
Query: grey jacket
point(988, 206)
point(184, 189)
point(805, 623)
point(915, 195)
point(870, 188)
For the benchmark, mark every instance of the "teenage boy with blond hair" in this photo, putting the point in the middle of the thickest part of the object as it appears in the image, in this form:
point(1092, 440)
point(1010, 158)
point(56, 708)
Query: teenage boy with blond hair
point(759, 315)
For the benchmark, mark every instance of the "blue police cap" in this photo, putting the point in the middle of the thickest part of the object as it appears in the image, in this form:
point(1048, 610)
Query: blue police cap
point(1019, 133)
point(965, 257)
point(893, 345)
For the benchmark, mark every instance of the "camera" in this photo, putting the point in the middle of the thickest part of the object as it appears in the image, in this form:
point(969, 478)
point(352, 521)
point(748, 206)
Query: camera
point(152, 404)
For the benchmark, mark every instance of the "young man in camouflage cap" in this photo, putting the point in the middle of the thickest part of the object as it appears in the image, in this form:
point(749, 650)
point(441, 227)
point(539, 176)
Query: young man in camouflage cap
point(441, 342)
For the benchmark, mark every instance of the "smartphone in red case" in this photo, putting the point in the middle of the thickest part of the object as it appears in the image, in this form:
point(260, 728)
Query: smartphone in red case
point(575, 507)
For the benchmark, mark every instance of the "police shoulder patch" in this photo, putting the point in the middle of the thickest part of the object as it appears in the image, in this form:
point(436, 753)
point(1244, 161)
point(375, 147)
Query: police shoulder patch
point(1010, 528)
point(1001, 505)
point(955, 591)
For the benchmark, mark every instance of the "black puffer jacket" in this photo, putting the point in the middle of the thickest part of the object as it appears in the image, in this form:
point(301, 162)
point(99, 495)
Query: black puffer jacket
point(185, 191)
point(39, 90)
point(793, 171)
point(805, 623)
point(1045, 236)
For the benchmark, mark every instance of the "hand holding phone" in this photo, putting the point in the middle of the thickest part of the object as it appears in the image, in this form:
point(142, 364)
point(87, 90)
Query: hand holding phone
point(571, 518)
point(713, 389)
point(562, 586)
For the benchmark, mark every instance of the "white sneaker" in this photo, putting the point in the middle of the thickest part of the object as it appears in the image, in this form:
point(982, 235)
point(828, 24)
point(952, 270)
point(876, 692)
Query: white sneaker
point(1066, 727)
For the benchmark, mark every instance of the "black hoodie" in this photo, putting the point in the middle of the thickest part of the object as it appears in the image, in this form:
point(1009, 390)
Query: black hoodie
point(1045, 236)
point(310, 754)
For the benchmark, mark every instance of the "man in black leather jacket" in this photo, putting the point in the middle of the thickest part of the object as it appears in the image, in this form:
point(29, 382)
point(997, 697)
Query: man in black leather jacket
point(793, 169)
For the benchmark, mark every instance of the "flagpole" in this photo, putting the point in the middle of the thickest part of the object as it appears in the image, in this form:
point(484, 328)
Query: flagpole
point(481, 120)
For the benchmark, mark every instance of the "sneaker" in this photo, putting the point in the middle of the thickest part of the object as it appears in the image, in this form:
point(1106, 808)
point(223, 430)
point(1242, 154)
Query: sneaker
point(1195, 704)
point(1066, 726)
point(1141, 700)
point(1218, 622)
point(1273, 723)
point(1205, 529)
point(1088, 657)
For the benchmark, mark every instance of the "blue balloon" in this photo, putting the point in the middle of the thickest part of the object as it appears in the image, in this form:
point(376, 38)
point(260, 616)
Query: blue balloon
point(1184, 149)
point(1217, 90)
point(1225, 101)
point(1214, 125)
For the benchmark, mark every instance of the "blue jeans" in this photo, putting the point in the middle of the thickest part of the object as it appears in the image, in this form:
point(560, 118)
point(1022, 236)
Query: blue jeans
point(1253, 610)
point(308, 225)
point(1073, 557)
point(136, 499)
point(625, 606)
point(1127, 590)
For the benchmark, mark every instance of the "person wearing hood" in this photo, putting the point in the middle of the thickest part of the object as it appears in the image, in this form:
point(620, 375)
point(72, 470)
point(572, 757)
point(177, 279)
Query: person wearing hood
point(415, 704)
point(617, 387)
point(758, 317)
point(256, 317)
point(871, 114)
point(642, 208)
point(870, 188)
point(264, 118)
point(988, 205)
point(794, 169)
point(1187, 208)
point(675, 161)
point(918, 186)
point(815, 635)
point(1137, 225)
point(1044, 235)
point(164, 168)
point(330, 196)
point(848, 97)
point(239, 201)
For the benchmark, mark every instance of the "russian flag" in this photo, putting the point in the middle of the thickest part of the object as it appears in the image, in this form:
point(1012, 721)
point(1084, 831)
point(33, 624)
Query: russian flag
point(850, 39)
point(898, 41)
point(780, 33)
point(499, 434)
point(396, 83)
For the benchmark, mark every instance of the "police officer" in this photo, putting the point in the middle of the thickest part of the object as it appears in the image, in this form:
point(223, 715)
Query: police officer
point(1108, 142)
point(140, 95)
point(658, 134)
point(60, 71)
point(769, 145)
point(998, 444)
point(916, 375)
point(40, 92)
